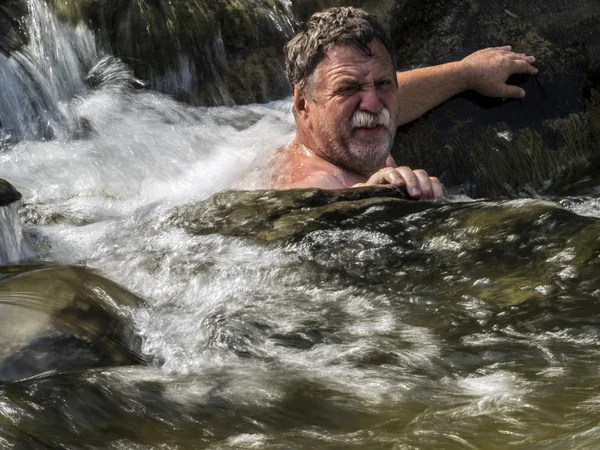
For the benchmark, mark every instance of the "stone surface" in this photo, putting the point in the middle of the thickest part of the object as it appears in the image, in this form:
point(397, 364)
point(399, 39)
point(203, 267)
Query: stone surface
point(279, 215)
point(61, 317)
point(8, 193)
point(230, 51)
point(202, 52)
point(205, 52)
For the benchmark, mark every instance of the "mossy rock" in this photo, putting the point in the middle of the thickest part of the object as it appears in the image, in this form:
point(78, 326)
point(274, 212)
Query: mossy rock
point(491, 147)
point(281, 215)
point(228, 51)
point(257, 77)
point(62, 317)
point(509, 252)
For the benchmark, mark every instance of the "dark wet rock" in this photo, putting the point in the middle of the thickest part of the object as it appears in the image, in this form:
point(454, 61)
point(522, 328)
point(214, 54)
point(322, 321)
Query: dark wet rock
point(202, 52)
point(498, 253)
point(11, 33)
point(492, 147)
point(275, 215)
point(61, 317)
point(230, 51)
point(8, 193)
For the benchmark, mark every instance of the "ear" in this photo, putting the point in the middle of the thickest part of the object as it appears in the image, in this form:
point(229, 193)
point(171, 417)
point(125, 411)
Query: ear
point(301, 106)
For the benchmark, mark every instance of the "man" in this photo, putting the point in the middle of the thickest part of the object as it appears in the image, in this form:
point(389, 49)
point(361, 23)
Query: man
point(349, 101)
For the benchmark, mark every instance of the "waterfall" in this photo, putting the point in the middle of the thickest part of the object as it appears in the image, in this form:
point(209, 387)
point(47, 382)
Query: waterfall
point(40, 81)
point(14, 247)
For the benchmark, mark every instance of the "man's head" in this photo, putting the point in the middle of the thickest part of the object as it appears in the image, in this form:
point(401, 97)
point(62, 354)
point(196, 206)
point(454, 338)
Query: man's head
point(345, 88)
point(334, 27)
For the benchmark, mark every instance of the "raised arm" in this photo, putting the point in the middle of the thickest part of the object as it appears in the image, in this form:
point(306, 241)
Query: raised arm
point(485, 71)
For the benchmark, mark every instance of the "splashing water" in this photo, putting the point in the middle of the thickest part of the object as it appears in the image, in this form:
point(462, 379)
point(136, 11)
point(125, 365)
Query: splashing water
point(14, 246)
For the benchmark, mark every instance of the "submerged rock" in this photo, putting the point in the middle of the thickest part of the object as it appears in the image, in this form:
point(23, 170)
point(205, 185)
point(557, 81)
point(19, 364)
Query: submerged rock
point(500, 253)
point(61, 317)
point(275, 215)
point(15, 247)
point(8, 193)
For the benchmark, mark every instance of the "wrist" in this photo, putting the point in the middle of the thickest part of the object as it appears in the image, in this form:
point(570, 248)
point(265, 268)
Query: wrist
point(465, 75)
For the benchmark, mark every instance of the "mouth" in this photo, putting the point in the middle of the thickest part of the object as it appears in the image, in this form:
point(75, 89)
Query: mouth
point(369, 130)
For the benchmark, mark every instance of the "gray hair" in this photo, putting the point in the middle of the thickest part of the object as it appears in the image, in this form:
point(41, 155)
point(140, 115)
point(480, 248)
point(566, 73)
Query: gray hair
point(343, 26)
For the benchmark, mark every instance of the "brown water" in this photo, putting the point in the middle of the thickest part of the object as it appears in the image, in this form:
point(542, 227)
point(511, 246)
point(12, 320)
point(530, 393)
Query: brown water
point(463, 325)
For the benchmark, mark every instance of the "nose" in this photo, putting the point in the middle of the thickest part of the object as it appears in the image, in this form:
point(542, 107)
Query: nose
point(370, 100)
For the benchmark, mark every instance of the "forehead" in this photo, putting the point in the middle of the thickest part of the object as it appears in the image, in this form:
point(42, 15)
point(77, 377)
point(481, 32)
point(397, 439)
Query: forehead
point(348, 62)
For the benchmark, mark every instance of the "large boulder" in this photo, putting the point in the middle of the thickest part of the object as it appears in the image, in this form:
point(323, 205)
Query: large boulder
point(490, 147)
point(504, 252)
point(61, 317)
point(230, 51)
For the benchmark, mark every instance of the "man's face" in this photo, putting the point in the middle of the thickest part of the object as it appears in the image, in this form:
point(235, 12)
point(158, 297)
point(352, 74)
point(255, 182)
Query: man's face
point(354, 107)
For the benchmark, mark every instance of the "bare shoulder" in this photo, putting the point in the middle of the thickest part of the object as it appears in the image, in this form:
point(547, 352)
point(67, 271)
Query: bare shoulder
point(299, 167)
point(320, 179)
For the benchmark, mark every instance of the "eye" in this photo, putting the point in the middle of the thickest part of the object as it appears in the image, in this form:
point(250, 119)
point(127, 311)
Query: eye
point(347, 90)
point(385, 84)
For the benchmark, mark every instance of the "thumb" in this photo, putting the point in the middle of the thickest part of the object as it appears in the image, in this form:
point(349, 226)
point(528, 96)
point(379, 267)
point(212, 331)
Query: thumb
point(512, 92)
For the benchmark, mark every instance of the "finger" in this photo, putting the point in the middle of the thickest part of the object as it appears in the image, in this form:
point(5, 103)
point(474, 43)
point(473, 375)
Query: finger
point(521, 66)
point(412, 183)
point(389, 162)
point(510, 91)
point(393, 177)
point(437, 188)
point(377, 178)
point(424, 184)
point(503, 47)
point(527, 59)
point(385, 176)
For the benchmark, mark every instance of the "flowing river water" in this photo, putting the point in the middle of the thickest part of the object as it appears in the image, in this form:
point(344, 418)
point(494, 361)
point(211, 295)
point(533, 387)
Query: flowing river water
point(399, 325)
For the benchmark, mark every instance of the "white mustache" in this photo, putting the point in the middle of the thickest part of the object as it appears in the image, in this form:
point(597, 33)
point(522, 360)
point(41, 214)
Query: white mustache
point(364, 119)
